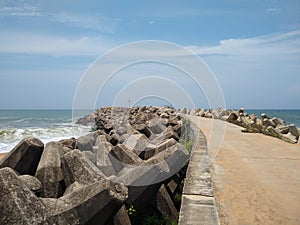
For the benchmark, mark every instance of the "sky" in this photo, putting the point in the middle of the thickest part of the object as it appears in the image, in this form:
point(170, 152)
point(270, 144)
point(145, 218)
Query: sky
point(251, 46)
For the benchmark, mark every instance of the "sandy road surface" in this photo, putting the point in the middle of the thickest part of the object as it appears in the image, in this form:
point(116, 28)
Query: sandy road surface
point(256, 177)
point(2, 155)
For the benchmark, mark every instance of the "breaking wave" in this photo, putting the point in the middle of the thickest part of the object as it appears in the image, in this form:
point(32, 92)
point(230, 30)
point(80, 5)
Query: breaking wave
point(11, 137)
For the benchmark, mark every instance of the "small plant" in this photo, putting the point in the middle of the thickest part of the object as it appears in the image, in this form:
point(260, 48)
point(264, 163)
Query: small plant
point(245, 130)
point(186, 122)
point(186, 138)
point(131, 212)
point(187, 144)
point(181, 185)
point(158, 220)
point(268, 133)
point(155, 220)
point(181, 141)
point(177, 198)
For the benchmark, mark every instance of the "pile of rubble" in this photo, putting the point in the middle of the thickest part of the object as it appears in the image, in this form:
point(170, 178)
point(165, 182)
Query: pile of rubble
point(274, 127)
point(132, 159)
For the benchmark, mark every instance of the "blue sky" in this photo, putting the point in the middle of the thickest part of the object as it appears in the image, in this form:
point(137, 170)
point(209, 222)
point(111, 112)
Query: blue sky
point(252, 46)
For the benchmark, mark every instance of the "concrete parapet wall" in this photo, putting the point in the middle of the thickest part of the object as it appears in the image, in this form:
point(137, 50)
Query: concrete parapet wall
point(198, 204)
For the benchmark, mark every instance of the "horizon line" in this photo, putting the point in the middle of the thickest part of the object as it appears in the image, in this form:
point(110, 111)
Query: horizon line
point(57, 109)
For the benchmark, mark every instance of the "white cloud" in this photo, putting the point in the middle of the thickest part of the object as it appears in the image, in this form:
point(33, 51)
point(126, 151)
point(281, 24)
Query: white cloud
point(94, 22)
point(12, 8)
point(176, 13)
point(257, 72)
point(272, 9)
point(284, 43)
point(27, 8)
point(33, 43)
point(151, 22)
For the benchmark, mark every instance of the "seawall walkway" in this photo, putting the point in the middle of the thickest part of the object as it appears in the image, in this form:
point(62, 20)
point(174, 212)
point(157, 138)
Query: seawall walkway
point(256, 177)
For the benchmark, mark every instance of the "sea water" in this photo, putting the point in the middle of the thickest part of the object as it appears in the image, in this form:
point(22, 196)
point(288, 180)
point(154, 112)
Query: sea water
point(289, 116)
point(47, 125)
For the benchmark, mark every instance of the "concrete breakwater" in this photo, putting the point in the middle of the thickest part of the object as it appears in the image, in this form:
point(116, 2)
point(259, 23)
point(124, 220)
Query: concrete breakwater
point(129, 170)
point(274, 127)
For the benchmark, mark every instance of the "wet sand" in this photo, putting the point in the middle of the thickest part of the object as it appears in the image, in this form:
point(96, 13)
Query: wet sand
point(256, 178)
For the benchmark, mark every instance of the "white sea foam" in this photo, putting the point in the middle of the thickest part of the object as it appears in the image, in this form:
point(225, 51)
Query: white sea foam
point(9, 138)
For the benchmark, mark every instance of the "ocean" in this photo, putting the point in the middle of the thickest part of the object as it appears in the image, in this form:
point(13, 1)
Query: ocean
point(47, 125)
point(289, 116)
point(53, 125)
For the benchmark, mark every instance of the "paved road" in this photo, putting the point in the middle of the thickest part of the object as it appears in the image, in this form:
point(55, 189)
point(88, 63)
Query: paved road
point(256, 177)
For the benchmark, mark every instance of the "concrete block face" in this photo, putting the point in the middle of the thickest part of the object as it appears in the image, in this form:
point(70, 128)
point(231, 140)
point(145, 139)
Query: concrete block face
point(50, 172)
point(289, 138)
point(165, 204)
point(156, 126)
point(121, 217)
point(81, 168)
point(294, 131)
point(18, 204)
point(86, 143)
point(97, 202)
point(126, 156)
point(143, 129)
point(91, 156)
point(172, 185)
point(24, 157)
point(282, 129)
point(137, 143)
point(32, 183)
point(105, 160)
point(69, 143)
point(166, 144)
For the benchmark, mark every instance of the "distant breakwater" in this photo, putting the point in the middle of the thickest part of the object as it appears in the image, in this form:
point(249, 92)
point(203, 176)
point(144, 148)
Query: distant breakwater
point(274, 127)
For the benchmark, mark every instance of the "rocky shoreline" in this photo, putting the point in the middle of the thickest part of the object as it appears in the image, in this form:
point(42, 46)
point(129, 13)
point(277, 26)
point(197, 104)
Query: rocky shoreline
point(274, 127)
point(129, 170)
